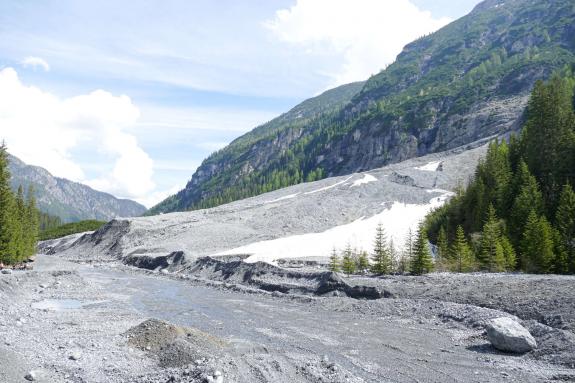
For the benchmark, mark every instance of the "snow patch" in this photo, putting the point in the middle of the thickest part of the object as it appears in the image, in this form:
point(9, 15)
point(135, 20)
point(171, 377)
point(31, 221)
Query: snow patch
point(290, 196)
point(365, 180)
point(429, 167)
point(328, 187)
point(396, 220)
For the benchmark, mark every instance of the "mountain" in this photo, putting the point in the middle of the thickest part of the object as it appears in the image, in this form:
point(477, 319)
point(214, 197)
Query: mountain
point(469, 80)
point(71, 201)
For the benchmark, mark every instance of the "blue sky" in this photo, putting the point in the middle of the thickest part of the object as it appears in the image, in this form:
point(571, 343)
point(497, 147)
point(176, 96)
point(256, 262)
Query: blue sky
point(130, 96)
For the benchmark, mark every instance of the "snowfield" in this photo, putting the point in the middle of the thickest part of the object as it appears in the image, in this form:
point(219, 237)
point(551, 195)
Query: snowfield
point(365, 180)
point(430, 166)
point(397, 221)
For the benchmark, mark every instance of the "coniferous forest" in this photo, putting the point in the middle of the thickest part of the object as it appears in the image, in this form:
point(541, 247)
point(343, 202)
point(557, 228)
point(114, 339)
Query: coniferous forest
point(518, 213)
point(19, 218)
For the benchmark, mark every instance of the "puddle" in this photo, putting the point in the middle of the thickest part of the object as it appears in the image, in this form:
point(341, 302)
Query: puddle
point(60, 304)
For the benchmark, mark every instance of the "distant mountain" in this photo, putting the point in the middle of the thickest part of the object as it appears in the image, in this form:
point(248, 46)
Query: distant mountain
point(71, 201)
point(469, 80)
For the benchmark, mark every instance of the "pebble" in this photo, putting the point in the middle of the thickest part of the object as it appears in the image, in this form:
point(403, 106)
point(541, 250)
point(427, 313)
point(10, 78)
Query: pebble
point(6, 271)
point(75, 356)
point(31, 376)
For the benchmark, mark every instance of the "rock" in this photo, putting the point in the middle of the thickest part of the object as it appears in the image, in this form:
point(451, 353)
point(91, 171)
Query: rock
point(6, 271)
point(31, 376)
point(43, 285)
point(505, 334)
point(75, 356)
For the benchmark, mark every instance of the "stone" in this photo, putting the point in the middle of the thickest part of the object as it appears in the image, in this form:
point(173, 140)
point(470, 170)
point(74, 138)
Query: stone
point(505, 334)
point(75, 356)
point(31, 376)
point(6, 271)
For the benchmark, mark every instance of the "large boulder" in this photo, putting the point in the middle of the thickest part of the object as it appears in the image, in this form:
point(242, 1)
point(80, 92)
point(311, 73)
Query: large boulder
point(505, 334)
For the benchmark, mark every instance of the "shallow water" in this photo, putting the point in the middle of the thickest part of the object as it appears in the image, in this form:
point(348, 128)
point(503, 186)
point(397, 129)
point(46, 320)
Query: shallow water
point(59, 304)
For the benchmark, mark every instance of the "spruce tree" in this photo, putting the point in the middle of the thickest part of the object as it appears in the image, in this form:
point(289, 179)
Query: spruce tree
point(334, 261)
point(381, 260)
point(565, 224)
point(537, 245)
point(348, 263)
point(422, 262)
point(20, 226)
point(363, 262)
point(462, 257)
point(508, 254)
point(548, 136)
point(442, 259)
point(527, 198)
point(491, 253)
point(7, 219)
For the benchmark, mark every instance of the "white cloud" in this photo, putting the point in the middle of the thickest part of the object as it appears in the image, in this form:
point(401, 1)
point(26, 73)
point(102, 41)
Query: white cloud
point(367, 34)
point(45, 130)
point(36, 62)
point(156, 197)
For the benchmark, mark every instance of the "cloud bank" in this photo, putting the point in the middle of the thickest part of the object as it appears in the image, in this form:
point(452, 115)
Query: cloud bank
point(45, 130)
point(367, 34)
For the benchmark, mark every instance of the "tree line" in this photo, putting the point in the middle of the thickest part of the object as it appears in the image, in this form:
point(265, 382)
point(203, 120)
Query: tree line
point(384, 258)
point(18, 218)
point(518, 212)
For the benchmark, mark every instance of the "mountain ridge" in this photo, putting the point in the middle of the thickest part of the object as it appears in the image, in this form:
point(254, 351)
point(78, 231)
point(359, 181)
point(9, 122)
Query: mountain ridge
point(465, 82)
point(69, 200)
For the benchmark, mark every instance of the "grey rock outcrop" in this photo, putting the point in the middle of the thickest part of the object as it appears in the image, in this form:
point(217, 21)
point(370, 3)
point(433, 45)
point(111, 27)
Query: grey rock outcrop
point(505, 334)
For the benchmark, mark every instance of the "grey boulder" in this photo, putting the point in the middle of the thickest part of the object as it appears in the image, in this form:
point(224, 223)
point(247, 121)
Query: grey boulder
point(505, 334)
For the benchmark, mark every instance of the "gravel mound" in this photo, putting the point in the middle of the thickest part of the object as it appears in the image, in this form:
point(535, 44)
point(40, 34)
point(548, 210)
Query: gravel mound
point(173, 346)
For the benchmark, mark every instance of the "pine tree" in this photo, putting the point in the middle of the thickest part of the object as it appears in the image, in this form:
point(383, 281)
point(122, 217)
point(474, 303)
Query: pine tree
point(422, 262)
point(527, 198)
point(508, 254)
point(442, 259)
point(537, 245)
point(7, 219)
point(381, 260)
point(363, 262)
point(548, 136)
point(348, 263)
point(407, 253)
point(565, 224)
point(20, 226)
point(461, 253)
point(491, 253)
point(32, 222)
point(334, 261)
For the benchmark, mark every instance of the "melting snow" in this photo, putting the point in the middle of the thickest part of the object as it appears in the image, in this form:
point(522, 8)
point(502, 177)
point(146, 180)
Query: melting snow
point(290, 196)
point(329, 187)
point(365, 180)
point(430, 166)
point(397, 220)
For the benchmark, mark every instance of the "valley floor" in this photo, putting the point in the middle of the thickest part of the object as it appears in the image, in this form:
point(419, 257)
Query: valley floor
point(69, 322)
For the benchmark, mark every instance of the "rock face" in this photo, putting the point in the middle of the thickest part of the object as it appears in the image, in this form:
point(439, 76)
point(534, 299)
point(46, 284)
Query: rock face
point(505, 334)
point(71, 201)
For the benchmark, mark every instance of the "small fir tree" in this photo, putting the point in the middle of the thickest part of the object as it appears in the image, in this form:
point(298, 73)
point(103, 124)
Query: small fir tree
point(381, 260)
point(348, 263)
point(334, 262)
point(462, 257)
point(422, 261)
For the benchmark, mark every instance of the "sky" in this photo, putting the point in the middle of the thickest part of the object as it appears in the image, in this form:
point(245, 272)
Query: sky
point(129, 97)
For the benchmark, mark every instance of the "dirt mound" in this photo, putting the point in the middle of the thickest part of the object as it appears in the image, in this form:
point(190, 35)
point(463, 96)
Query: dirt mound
point(172, 345)
point(271, 278)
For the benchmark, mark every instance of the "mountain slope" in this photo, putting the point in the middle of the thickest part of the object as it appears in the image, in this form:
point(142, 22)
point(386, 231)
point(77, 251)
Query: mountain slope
point(315, 216)
point(465, 82)
point(71, 201)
